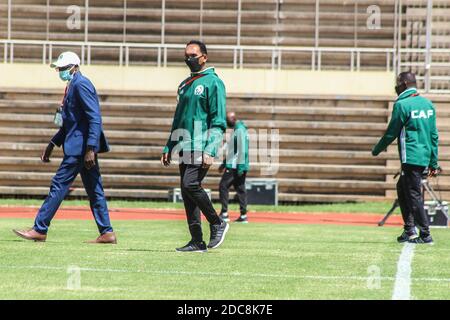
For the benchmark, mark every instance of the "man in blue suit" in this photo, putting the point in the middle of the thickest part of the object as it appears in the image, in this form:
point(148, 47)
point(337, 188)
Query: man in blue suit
point(81, 136)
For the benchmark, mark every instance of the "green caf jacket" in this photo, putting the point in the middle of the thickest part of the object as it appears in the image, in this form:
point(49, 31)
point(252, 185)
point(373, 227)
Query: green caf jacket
point(237, 156)
point(413, 122)
point(200, 116)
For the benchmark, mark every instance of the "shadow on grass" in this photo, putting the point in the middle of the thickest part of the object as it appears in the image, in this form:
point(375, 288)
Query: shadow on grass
point(166, 251)
point(150, 250)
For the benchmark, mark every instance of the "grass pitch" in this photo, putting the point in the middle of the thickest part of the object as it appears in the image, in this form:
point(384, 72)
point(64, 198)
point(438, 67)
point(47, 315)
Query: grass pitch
point(257, 261)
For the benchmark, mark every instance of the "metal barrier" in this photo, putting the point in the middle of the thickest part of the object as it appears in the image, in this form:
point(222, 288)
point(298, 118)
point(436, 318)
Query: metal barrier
point(354, 63)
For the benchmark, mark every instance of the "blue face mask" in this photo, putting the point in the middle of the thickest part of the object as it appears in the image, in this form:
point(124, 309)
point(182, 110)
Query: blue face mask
point(65, 75)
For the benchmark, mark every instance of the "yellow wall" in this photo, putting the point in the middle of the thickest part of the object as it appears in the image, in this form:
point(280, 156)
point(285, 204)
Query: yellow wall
point(236, 81)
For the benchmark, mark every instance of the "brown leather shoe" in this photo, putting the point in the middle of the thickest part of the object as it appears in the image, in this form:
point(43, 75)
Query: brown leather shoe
point(31, 235)
point(106, 238)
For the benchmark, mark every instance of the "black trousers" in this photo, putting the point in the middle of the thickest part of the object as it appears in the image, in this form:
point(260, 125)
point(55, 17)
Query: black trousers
point(231, 178)
point(196, 199)
point(410, 197)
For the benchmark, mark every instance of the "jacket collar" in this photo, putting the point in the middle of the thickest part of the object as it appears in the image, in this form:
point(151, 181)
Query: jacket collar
point(408, 92)
point(205, 71)
point(239, 123)
point(76, 76)
point(74, 79)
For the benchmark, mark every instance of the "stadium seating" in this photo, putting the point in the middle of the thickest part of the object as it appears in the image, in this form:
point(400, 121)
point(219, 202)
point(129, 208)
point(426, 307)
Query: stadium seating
point(324, 144)
point(262, 23)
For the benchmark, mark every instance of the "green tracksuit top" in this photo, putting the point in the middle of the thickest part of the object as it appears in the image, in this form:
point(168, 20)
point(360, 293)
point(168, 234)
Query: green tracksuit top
point(200, 114)
point(413, 122)
point(237, 156)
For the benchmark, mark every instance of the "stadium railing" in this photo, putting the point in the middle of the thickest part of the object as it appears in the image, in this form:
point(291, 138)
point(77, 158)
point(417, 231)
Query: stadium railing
point(238, 52)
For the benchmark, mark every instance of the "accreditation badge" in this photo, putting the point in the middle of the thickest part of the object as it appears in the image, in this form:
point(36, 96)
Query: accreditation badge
point(58, 119)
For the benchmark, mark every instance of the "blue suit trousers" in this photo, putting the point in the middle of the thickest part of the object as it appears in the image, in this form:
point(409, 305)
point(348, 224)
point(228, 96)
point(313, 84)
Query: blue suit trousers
point(69, 169)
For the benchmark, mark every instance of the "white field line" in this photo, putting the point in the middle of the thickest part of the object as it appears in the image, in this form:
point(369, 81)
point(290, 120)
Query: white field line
point(402, 286)
point(231, 274)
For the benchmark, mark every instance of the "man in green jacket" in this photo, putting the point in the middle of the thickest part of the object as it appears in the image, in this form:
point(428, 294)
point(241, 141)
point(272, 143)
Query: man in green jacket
point(199, 123)
point(235, 168)
point(413, 123)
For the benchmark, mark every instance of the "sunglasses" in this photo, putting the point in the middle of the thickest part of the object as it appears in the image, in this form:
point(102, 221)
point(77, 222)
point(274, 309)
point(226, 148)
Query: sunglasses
point(70, 66)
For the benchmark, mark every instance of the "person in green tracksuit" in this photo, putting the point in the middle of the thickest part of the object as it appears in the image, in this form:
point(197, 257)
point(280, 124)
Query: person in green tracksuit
point(199, 123)
point(235, 167)
point(413, 123)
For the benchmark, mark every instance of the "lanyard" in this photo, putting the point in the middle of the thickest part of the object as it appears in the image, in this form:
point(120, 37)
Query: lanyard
point(65, 95)
point(189, 82)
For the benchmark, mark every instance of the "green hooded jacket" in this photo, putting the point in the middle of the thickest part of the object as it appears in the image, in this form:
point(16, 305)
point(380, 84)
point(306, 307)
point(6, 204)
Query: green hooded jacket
point(237, 156)
point(200, 114)
point(413, 123)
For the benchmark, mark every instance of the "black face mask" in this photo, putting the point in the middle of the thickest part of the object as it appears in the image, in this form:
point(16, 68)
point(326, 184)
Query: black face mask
point(399, 89)
point(192, 63)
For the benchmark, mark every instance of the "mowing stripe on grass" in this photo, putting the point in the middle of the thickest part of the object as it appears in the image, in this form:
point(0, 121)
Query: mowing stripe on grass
point(215, 274)
point(402, 286)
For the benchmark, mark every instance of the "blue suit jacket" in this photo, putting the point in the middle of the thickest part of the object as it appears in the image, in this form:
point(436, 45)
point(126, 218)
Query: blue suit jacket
point(82, 124)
